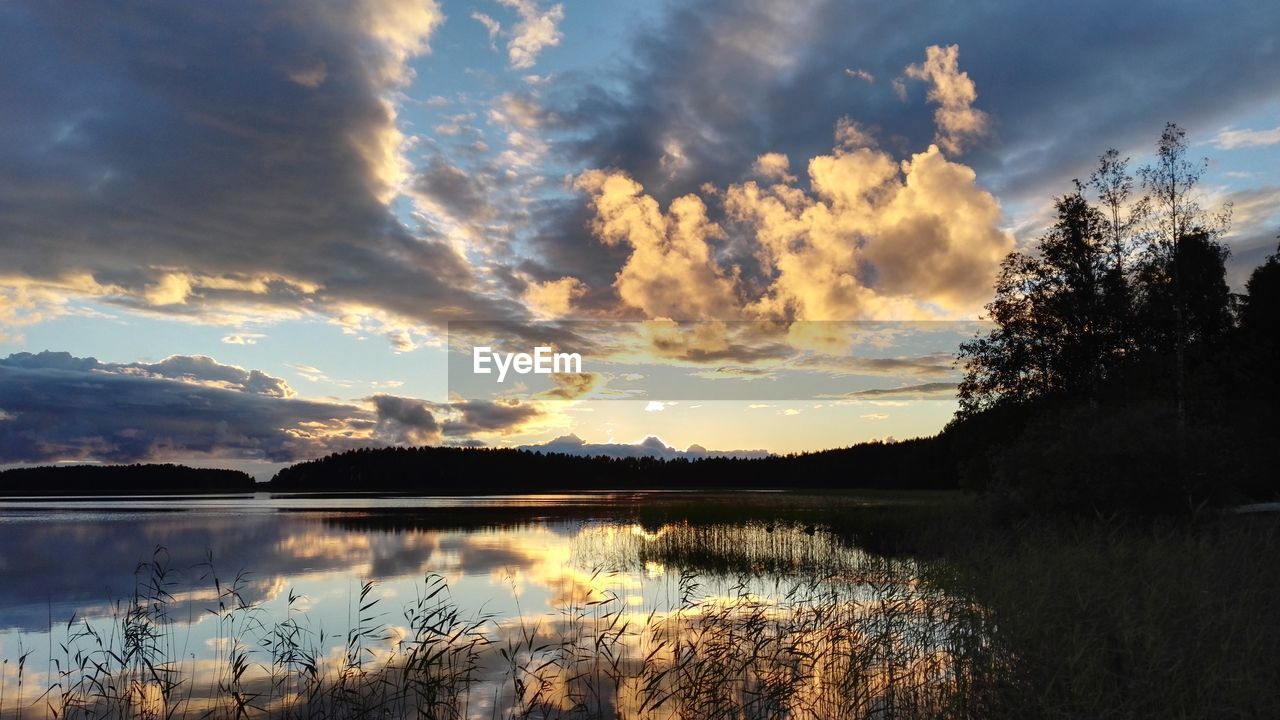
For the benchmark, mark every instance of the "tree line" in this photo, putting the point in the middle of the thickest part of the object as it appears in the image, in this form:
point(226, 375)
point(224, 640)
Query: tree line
point(916, 464)
point(138, 479)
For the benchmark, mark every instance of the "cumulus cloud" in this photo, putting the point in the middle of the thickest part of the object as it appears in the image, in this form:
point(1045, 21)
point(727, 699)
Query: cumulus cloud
point(671, 272)
point(873, 238)
point(201, 369)
point(774, 166)
point(959, 123)
point(1054, 117)
point(537, 30)
point(554, 298)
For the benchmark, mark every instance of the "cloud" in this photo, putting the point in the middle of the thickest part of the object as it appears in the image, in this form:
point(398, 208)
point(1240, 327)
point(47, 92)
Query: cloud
point(940, 364)
point(537, 30)
point(764, 60)
point(242, 338)
point(670, 272)
point(450, 191)
point(491, 26)
point(874, 416)
point(405, 421)
point(923, 391)
point(860, 74)
point(571, 386)
point(1228, 139)
point(873, 238)
point(503, 417)
point(222, 166)
point(959, 123)
point(205, 370)
point(68, 408)
point(774, 166)
point(56, 407)
point(654, 406)
point(554, 298)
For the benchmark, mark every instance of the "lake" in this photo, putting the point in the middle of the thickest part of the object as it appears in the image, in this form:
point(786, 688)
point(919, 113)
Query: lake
point(596, 605)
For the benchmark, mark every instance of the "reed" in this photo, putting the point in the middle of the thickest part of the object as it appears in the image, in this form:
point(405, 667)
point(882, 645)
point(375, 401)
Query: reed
point(762, 620)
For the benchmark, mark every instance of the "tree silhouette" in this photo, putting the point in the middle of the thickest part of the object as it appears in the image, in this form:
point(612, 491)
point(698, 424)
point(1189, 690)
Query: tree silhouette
point(1260, 308)
point(1178, 218)
point(1056, 313)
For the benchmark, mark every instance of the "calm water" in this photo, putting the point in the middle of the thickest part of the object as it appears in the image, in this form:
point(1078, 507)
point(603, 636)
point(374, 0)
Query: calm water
point(508, 561)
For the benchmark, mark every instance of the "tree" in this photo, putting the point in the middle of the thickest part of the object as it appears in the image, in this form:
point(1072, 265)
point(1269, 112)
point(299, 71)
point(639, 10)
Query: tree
point(1177, 219)
point(1123, 213)
point(1185, 303)
point(1054, 315)
point(1260, 309)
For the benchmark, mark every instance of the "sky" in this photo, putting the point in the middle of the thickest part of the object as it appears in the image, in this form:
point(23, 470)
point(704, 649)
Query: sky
point(240, 234)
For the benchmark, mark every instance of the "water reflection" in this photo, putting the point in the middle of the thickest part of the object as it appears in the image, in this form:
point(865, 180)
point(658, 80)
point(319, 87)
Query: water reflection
point(614, 605)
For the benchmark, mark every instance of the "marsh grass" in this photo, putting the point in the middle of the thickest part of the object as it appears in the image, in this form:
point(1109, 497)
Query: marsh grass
point(762, 620)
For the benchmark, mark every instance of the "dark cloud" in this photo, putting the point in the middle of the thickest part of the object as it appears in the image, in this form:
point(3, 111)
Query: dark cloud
point(405, 420)
point(475, 416)
point(185, 157)
point(722, 79)
point(457, 192)
point(59, 407)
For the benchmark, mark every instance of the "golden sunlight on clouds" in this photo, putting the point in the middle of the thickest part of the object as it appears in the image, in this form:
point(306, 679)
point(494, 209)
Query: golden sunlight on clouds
point(871, 238)
point(671, 272)
point(402, 30)
point(554, 298)
point(536, 31)
point(957, 120)
point(774, 166)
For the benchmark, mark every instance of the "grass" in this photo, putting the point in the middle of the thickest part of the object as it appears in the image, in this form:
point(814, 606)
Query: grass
point(955, 619)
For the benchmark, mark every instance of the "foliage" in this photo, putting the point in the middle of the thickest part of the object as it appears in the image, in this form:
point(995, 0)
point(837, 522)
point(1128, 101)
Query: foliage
point(1116, 378)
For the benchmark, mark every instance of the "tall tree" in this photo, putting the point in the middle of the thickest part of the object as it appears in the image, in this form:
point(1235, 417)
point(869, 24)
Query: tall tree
point(1054, 327)
point(1178, 218)
point(1124, 213)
